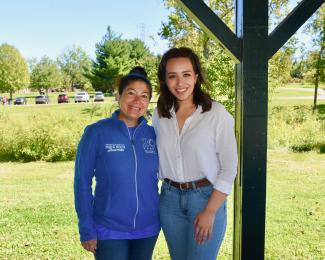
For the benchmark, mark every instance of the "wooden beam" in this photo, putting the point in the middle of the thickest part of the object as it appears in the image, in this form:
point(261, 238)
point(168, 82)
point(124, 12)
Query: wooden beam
point(251, 130)
point(213, 26)
point(291, 24)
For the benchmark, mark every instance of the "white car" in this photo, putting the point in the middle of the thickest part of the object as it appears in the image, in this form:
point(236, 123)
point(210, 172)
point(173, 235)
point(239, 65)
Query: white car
point(99, 96)
point(81, 97)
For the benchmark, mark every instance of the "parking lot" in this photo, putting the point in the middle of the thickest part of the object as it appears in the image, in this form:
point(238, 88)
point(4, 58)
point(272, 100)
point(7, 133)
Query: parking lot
point(54, 98)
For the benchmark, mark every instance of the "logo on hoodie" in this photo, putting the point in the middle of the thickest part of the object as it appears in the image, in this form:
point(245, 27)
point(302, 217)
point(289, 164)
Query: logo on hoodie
point(115, 147)
point(149, 145)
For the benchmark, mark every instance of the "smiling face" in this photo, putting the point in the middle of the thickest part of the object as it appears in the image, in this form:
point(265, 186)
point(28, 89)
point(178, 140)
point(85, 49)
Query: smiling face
point(181, 78)
point(133, 102)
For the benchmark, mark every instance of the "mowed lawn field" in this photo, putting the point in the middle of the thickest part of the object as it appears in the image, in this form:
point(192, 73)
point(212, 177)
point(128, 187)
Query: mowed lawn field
point(37, 218)
point(38, 221)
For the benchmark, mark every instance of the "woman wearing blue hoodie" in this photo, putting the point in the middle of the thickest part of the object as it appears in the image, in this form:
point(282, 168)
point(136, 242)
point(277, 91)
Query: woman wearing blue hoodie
point(120, 219)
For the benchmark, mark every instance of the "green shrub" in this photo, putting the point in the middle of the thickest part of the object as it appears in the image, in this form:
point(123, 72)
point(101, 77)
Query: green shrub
point(52, 135)
point(46, 133)
point(297, 129)
point(51, 138)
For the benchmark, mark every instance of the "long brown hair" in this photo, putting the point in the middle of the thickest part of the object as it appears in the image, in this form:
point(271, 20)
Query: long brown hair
point(166, 99)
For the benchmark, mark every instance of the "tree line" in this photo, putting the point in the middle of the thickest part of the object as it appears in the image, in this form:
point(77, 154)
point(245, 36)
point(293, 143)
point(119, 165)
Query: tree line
point(284, 67)
point(116, 56)
point(74, 68)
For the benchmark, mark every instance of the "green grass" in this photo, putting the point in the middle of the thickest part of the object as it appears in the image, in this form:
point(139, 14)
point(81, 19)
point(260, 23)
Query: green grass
point(37, 218)
point(286, 92)
point(303, 85)
point(294, 102)
point(76, 110)
point(85, 112)
point(53, 106)
point(295, 223)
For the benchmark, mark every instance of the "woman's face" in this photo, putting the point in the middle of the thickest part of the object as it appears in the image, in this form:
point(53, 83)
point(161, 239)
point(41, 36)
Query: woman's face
point(133, 102)
point(181, 78)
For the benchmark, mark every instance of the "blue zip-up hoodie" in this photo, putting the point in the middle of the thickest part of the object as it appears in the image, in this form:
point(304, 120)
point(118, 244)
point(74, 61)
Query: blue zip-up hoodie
point(125, 168)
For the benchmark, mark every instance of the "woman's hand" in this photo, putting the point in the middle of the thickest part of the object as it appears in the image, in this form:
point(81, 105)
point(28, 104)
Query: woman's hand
point(203, 224)
point(90, 245)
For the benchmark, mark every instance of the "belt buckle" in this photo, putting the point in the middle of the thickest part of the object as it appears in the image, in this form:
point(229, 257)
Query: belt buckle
point(187, 185)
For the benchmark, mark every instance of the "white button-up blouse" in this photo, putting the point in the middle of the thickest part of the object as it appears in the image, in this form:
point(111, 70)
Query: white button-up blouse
point(205, 147)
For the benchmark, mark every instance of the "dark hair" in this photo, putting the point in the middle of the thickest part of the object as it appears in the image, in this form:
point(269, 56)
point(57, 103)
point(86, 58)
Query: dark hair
point(166, 99)
point(138, 73)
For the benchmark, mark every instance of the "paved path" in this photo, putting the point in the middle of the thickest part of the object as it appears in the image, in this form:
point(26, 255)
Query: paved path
point(320, 93)
point(320, 90)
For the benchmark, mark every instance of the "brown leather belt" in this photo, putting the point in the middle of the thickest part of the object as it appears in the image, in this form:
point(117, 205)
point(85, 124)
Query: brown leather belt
point(188, 185)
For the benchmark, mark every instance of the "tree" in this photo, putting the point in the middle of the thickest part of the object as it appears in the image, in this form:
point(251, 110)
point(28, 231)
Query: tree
point(45, 75)
point(75, 65)
point(280, 65)
point(317, 28)
point(13, 70)
point(180, 30)
point(31, 62)
point(115, 57)
point(141, 56)
point(299, 64)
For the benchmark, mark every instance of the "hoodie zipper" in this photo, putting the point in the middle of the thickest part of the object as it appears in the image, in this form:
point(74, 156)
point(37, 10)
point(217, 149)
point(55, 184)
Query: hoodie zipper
point(135, 173)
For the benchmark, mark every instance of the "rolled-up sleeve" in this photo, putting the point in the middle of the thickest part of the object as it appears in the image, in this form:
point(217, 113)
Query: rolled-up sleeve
point(226, 148)
point(84, 173)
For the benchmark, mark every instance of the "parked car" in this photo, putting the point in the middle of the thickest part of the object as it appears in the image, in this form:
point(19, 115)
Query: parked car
point(42, 99)
point(63, 98)
point(99, 96)
point(81, 97)
point(20, 101)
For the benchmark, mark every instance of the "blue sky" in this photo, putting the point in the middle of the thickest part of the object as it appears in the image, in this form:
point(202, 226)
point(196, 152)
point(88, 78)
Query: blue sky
point(46, 27)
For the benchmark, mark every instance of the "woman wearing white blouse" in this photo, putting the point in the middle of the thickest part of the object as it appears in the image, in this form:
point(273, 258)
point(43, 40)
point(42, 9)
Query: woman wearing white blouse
point(198, 159)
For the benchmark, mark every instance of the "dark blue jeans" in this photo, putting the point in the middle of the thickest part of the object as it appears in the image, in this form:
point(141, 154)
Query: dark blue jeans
point(125, 249)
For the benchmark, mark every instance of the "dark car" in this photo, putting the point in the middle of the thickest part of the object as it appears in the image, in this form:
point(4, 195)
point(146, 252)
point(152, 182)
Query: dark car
point(63, 98)
point(42, 99)
point(20, 101)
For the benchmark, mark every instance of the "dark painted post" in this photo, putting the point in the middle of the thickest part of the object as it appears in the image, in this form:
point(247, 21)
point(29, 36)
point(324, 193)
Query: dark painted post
point(251, 129)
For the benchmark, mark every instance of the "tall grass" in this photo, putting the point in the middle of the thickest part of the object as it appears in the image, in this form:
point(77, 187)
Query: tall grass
point(45, 137)
point(297, 129)
point(47, 133)
point(51, 133)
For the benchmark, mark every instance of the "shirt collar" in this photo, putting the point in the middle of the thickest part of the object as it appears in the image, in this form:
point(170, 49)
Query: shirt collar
point(197, 111)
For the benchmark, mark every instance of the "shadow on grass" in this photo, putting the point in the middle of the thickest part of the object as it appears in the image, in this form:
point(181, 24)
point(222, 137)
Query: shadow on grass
point(321, 110)
point(321, 116)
